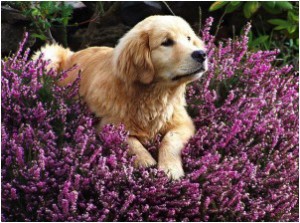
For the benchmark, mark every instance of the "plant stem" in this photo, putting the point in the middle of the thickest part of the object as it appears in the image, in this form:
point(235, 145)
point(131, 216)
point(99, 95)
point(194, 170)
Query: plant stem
point(168, 7)
point(200, 19)
point(219, 23)
point(49, 36)
point(100, 8)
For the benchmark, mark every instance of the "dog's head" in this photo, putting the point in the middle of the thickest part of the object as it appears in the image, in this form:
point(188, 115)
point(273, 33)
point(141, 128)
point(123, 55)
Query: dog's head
point(160, 49)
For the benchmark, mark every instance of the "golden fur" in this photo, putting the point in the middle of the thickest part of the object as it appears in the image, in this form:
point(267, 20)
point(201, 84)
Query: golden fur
point(140, 83)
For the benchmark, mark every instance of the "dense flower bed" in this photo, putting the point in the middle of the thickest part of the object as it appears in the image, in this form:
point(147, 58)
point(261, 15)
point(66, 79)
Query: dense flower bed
point(242, 164)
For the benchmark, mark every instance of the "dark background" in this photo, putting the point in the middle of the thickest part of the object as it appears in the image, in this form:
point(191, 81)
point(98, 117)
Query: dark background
point(106, 29)
point(103, 23)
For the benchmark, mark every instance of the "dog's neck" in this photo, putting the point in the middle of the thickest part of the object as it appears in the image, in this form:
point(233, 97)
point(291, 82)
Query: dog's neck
point(156, 92)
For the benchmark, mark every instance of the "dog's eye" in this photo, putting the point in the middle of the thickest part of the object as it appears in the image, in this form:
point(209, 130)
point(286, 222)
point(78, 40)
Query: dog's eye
point(189, 38)
point(168, 42)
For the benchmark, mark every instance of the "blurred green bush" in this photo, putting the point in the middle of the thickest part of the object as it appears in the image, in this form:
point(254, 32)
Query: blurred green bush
point(45, 14)
point(283, 16)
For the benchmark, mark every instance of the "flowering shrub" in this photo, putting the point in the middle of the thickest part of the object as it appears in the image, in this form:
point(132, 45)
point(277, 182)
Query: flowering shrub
point(245, 153)
point(241, 165)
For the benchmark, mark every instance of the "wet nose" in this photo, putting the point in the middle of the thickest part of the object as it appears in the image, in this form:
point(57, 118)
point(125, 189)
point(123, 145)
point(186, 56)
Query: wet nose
point(199, 55)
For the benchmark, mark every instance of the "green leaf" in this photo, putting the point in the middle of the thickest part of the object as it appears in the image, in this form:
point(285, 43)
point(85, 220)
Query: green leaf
point(269, 4)
point(217, 5)
point(39, 36)
point(280, 27)
point(44, 4)
point(250, 8)
point(35, 12)
point(234, 3)
point(259, 40)
point(291, 29)
point(53, 8)
point(279, 22)
point(65, 21)
point(232, 7)
point(250, 36)
point(47, 24)
point(293, 17)
point(284, 5)
point(59, 20)
point(273, 11)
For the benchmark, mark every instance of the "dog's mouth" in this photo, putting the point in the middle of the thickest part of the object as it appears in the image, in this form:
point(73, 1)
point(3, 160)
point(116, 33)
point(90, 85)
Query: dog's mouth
point(178, 77)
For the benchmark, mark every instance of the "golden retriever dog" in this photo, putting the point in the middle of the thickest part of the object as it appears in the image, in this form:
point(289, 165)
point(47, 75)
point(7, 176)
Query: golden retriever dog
point(141, 83)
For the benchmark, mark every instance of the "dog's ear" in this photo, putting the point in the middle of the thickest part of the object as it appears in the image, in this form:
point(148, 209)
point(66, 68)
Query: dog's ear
point(132, 59)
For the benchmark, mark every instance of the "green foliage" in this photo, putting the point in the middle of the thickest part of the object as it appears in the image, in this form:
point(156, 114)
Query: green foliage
point(259, 41)
point(289, 47)
point(217, 5)
point(250, 7)
point(283, 16)
point(291, 24)
point(232, 6)
point(44, 15)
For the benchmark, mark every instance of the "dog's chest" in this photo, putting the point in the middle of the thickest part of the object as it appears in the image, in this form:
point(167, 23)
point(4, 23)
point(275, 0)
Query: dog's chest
point(152, 117)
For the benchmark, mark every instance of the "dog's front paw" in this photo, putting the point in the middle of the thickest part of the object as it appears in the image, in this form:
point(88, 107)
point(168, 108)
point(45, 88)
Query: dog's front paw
point(144, 160)
point(173, 170)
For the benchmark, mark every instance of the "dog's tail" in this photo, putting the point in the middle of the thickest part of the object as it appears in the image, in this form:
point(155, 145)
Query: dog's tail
point(58, 56)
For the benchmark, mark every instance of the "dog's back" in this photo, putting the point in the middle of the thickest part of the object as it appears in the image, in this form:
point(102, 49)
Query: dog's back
point(58, 56)
point(62, 59)
point(94, 66)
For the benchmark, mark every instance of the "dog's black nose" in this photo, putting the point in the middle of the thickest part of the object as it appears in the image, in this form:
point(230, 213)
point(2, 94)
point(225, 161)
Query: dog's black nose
point(199, 55)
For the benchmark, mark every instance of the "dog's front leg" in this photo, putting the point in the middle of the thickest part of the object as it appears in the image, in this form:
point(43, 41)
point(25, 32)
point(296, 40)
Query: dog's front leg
point(143, 157)
point(169, 158)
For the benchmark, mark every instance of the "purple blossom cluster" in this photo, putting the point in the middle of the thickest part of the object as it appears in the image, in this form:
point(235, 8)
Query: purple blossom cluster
point(245, 152)
point(241, 165)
